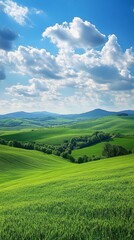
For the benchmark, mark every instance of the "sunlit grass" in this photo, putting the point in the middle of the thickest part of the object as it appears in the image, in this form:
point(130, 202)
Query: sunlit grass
point(96, 150)
point(57, 135)
point(46, 197)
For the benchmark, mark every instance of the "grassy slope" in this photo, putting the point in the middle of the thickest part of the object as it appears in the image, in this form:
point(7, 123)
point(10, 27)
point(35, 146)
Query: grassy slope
point(126, 142)
point(49, 198)
point(57, 135)
point(19, 123)
point(16, 163)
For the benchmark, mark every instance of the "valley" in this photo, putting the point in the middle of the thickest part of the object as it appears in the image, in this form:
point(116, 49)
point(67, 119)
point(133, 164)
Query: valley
point(46, 196)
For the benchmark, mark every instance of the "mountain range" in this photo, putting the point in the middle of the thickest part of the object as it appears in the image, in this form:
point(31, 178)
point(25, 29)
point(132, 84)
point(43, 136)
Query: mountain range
point(96, 113)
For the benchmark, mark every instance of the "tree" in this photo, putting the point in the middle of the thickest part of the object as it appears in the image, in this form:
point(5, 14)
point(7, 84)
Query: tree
point(71, 158)
point(56, 152)
point(80, 160)
point(64, 154)
point(113, 150)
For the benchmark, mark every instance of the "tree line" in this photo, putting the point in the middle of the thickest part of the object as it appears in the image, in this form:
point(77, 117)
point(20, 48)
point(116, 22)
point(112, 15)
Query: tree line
point(64, 150)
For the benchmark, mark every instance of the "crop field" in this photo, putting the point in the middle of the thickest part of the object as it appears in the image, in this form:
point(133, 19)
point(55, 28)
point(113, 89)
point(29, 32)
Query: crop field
point(46, 197)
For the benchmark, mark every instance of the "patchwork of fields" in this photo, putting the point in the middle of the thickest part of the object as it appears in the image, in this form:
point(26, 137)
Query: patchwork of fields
point(47, 197)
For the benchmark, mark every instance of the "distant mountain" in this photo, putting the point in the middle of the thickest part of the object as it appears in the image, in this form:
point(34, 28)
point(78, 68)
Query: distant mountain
point(129, 112)
point(29, 115)
point(96, 113)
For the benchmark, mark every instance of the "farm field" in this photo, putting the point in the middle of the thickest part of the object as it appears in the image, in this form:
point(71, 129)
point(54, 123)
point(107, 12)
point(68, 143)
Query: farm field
point(46, 197)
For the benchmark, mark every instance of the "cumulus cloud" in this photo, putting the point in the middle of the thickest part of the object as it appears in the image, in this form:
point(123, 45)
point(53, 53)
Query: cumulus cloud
point(21, 90)
point(104, 73)
point(43, 90)
point(34, 62)
point(110, 67)
point(112, 53)
point(77, 34)
point(15, 11)
point(6, 39)
point(92, 77)
point(110, 75)
point(129, 56)
point(34, 89)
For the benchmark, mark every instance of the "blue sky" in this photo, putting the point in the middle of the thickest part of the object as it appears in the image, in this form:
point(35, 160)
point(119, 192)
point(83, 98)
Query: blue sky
point(66, 56)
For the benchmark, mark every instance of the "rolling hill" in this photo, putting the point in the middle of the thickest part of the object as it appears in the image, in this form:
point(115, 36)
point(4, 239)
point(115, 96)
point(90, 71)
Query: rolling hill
point(96, 150)
point(46, 197)
point(19, 120)
point(57, 135)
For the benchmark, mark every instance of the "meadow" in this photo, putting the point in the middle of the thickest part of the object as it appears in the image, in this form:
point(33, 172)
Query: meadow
point(96, 150)
point(46, 197)
point(58, 134)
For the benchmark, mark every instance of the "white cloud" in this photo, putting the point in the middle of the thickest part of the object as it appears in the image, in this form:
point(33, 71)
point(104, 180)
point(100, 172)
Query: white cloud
point(40, 88)
point(112, 53)
point(34, 62)
point(21, 90)
point(110, 66)
point(71, 79)
point(37, 11)
point(77, 34)
point(15, 11)
point(102, 68)
point(129, 56)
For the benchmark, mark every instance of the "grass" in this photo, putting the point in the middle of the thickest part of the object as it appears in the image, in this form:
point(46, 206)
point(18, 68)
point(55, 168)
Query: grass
point(95, 150)
point(15, 162)
point(57, 135)
point(126, 142)
point(45, 197)
point(46, 121)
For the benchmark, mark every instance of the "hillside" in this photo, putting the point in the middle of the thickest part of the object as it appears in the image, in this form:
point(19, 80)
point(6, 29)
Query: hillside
point(45, 197)
point(57, 135)
point(16, 163)
point(44, 119)
point(96, 150)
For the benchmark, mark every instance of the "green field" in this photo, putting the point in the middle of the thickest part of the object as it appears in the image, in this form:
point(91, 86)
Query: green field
point(57, 135)
point(96, 150)
point(21, 123)
point(45, 197)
